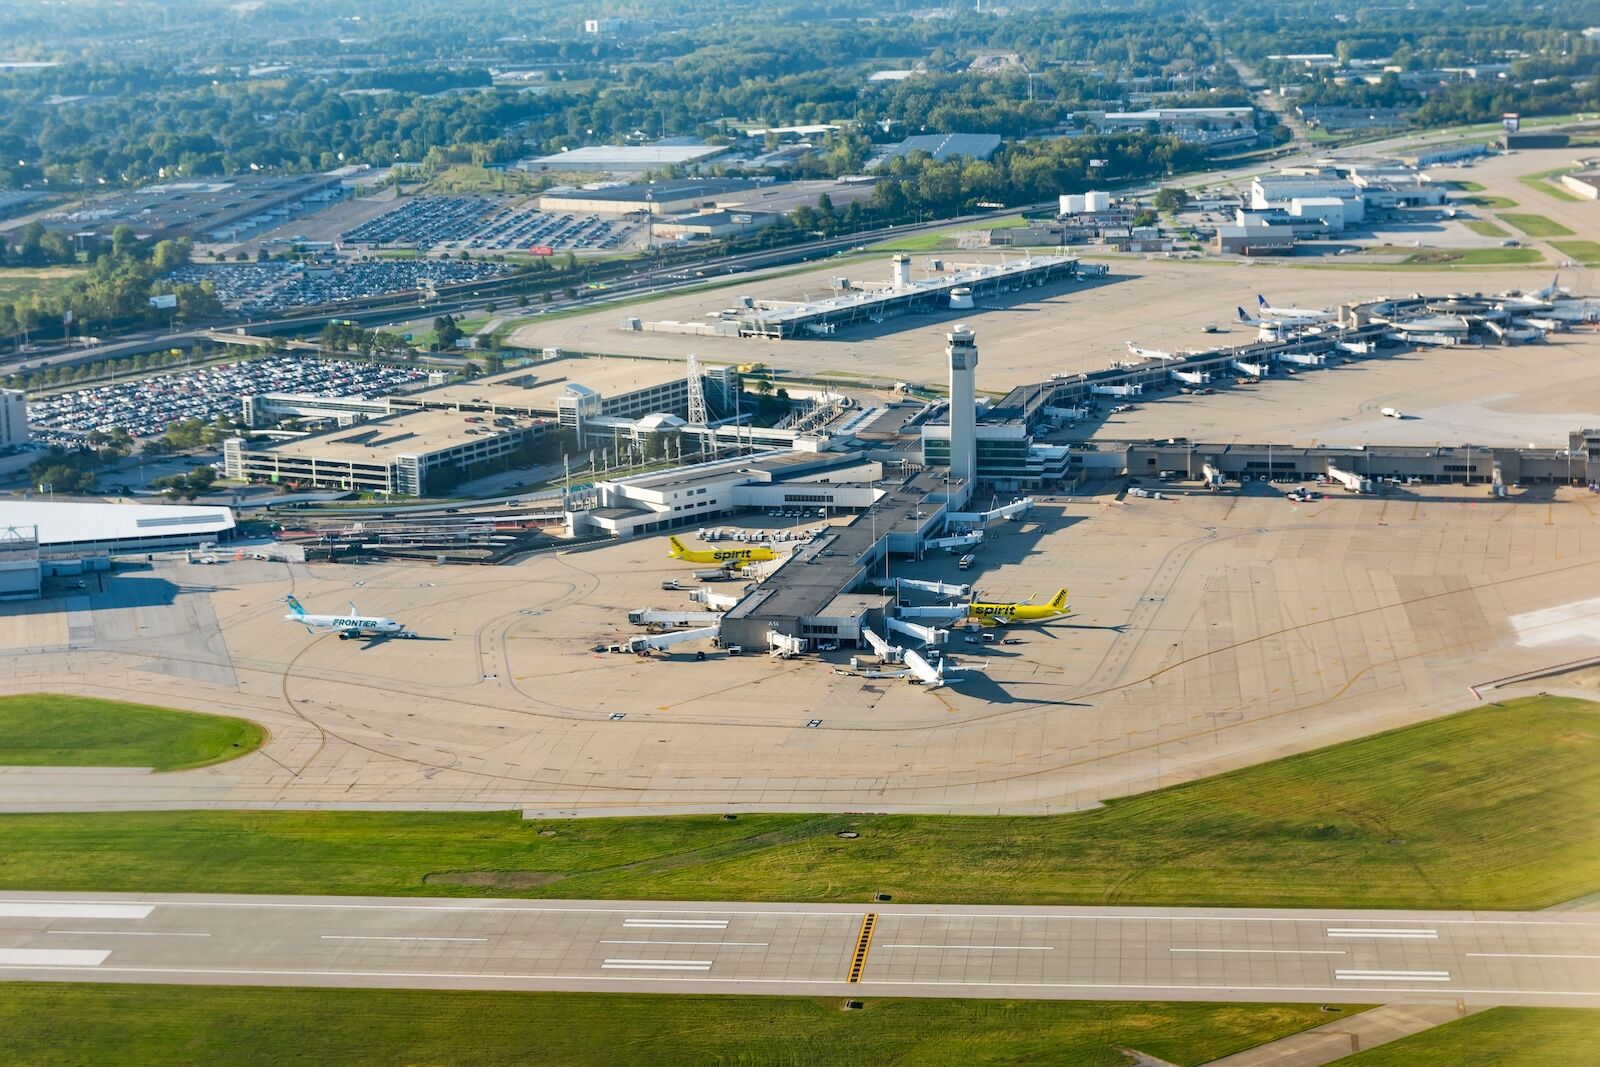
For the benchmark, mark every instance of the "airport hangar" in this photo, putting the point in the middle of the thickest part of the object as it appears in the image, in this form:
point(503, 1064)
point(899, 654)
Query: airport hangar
point(40, 539)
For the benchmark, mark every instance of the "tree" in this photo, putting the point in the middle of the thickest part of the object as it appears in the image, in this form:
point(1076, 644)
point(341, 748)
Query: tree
point(446, 332)
point(1171, 200)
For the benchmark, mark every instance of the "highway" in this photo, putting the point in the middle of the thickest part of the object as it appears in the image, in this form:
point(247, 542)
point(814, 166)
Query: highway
point(476, 296)
point(1214, 954)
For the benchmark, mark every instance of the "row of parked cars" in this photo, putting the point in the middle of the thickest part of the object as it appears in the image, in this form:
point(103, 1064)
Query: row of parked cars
point(467, 222)
point(145, 408)
point(268, 288)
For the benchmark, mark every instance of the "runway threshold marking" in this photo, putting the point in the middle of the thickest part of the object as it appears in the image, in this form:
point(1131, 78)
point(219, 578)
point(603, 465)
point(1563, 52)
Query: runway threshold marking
point(1392, 976)
point(53, 957)
point(376, 937)
point(1269, 951)
point(1414, 934)
point(706, 944)
point(858, 961)
point(129, 933)
point(1530, 956)
point(981, 948)
point(49, 909)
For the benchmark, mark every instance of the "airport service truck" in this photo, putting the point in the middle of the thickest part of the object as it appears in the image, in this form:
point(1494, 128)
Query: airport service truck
point(1392, 413)
point(1353, 483)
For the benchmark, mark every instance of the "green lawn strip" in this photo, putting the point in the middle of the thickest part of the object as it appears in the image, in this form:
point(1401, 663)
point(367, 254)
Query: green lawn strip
point(1499, 1037)
point(1485, 228)
point(1536, 225)
point(1466, 186)
point(152, 1025)
point(1585, 252)
point(1471, 257)
point(48, 730)
point(1492, 808)
point(1498, 203)
point(1545, 182)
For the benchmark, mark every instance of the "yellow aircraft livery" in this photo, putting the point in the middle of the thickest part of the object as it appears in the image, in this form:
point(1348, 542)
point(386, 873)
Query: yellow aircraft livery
point(1002, 614)
point(725, 557)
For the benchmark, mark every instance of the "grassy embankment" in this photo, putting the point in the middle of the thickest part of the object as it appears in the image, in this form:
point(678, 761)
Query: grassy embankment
point(49, 730)
point(1500, 1037)
point(1536, 225)
point(1584, 252)
point(1492, 808)
point(160, 1025)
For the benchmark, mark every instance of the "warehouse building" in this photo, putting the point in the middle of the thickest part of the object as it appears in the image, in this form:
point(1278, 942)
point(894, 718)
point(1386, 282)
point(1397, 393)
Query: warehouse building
point(712, 225)
point(1585, 183)
point(205, 209)
point(42, 537)
point(623, 159)
point(678, 197)
point(412, 454)
point(1255, 239)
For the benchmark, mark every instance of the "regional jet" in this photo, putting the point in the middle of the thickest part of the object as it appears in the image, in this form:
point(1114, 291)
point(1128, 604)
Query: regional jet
point(920, 672)
point(1006, 614)
point(348, 626)
point(723, 557)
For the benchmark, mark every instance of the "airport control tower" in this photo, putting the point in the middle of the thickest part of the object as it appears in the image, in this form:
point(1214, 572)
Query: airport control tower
point(962, 348)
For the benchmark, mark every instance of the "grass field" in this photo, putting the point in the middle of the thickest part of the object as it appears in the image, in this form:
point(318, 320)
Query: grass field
point(1485, 228)
point(150, 1025)
point(1492, 808)
point(47, 730)
point(945, 239)
point(1499, 1037)
point(20, 283)
point(1466, 186)
point(1498, 203)
point(1585, 252)
point(1474, 257)
point(1545, 182)
point(1536, 225)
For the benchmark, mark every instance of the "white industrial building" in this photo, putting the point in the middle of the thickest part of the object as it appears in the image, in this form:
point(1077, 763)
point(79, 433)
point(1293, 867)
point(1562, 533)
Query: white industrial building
point(13, 417)
point(1282, 190)
point(1586, 184)
point(1330, 210)
point(41, 536)
point(623, 159)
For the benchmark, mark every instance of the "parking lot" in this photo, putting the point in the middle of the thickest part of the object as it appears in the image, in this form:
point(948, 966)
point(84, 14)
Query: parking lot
point(477, 222)
point(267, 288)
point(144, 408)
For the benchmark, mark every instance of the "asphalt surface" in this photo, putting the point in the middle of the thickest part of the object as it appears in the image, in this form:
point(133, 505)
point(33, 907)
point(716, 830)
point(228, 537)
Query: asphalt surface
point(1476, 958)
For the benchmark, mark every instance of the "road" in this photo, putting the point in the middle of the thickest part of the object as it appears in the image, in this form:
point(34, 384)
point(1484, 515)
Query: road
point(653, 281)
point(1213, 954)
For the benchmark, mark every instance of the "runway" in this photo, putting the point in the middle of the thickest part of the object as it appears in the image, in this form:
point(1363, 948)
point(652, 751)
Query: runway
point(1477, 958)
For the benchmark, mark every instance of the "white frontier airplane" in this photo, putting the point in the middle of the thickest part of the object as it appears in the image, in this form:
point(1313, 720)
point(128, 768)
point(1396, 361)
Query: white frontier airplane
point(352, 625)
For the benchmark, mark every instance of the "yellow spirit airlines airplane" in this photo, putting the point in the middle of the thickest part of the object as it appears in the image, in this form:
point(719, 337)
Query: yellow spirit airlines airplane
point(1006, 614)
point(722, 557)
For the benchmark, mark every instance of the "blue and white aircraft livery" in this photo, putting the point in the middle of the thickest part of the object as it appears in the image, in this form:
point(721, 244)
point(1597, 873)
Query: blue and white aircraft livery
point(354, 624)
